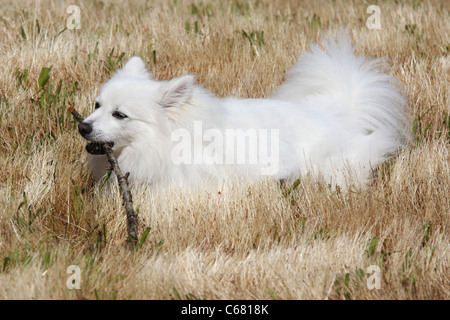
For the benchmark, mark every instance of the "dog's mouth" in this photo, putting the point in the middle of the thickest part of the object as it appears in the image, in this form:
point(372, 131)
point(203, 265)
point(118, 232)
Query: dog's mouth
point(97, 147)
point(93, 146)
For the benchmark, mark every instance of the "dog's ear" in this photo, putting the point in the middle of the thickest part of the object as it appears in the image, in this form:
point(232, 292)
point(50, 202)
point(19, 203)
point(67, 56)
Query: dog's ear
point(135, 67)
point(177, 91)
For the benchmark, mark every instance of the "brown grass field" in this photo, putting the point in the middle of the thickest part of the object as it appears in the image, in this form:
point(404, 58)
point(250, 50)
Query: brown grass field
point(257, 242)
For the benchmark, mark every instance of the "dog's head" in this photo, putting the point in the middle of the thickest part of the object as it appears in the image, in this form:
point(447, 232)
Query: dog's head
point(132, 102)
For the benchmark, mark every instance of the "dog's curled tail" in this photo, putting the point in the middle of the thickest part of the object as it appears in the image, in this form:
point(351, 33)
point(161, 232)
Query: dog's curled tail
point(370, 96)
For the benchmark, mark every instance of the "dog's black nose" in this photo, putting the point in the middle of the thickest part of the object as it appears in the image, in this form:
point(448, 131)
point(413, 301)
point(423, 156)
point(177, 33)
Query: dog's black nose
point(84, 128)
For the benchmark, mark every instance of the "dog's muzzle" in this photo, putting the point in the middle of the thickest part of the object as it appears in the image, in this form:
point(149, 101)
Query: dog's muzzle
point(93, 147)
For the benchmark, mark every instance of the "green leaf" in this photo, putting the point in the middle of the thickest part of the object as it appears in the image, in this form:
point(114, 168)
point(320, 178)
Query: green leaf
point(426, 232)
point(359, 274)
point(44, 76)
point(272, 294)
point(159, 244)
point(144, 237)
point(292, 188)
point(372, 246)
point(24, 34)
point(177, 294)
point(105, 180)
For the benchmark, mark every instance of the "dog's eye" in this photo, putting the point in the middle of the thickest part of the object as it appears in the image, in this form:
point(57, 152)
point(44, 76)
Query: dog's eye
point(97, 105)
point(119, 115)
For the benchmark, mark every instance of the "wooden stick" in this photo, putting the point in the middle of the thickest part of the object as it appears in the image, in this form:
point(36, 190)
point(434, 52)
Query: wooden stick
point(122, 180)
point(75, 113)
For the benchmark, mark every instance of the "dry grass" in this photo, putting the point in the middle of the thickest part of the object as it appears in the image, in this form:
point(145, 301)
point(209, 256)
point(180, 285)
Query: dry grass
point(248, 243)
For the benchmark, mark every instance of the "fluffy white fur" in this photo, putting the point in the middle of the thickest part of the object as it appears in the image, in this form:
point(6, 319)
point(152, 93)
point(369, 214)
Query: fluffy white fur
point(338, 117)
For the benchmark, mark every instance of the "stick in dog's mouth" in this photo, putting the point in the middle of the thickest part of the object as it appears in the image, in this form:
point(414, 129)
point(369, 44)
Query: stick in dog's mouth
point(101, 147)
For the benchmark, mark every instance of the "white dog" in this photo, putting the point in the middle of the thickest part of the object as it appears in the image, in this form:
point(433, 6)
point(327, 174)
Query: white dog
point(337, 116)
